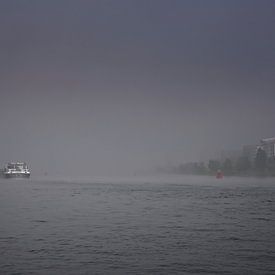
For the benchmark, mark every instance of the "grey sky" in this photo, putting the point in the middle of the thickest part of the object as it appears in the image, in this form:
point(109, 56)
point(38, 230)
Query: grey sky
point(105, 86)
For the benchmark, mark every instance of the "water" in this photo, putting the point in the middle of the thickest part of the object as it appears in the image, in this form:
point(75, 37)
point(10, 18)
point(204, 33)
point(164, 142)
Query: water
point(183, 225)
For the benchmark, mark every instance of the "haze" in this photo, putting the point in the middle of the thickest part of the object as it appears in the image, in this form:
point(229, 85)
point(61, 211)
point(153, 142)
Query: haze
point(107, 87)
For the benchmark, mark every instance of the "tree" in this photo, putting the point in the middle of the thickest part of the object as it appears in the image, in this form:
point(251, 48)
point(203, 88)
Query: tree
point(214, 165)
point(271, 166)
point(243, 165)
point(227, 167)
point(201, 170)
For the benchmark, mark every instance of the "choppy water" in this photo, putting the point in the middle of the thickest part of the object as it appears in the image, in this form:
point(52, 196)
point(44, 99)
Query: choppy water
point(185, 225)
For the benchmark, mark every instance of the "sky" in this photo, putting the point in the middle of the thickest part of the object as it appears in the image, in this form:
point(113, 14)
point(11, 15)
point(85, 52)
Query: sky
point(120, 86)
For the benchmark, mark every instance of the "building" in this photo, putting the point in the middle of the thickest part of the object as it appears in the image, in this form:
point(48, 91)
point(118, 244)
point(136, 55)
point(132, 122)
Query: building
point(268, 145)
point(250, 151)
point(233, 155)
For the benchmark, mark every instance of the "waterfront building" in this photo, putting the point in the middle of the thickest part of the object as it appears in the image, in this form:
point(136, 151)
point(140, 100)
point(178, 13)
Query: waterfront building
point(268, 145)
point(250, 151)
point(233, 155)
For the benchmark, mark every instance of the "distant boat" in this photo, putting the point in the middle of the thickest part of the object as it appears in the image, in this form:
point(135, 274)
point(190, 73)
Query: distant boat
point(219, 174)
point(16, 170)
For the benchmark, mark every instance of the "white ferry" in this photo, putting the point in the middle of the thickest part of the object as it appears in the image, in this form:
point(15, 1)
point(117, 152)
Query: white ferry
point(16, 170)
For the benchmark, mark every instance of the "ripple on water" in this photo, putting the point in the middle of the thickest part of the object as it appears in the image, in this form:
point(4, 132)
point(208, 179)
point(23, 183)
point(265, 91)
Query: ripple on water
point(134, 228)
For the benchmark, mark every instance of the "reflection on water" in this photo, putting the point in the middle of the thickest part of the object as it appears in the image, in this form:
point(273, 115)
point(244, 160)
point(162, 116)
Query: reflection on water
point(187, 225)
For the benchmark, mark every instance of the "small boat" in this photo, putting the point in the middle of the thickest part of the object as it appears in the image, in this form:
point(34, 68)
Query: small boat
point(219, 174)
point(16, 170)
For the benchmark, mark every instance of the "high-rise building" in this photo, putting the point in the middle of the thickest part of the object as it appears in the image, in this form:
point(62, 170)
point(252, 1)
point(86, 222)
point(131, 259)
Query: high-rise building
point(268, 144)
point(250, 151)
point(233, 155)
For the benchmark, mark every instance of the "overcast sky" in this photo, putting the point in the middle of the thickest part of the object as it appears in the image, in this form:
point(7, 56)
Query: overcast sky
point(105, 86)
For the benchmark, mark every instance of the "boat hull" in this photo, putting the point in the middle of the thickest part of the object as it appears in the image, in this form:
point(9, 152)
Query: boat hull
point(16, 175)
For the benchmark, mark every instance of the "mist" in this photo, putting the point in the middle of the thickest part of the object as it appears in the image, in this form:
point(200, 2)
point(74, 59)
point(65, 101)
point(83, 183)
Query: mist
point(120, 87)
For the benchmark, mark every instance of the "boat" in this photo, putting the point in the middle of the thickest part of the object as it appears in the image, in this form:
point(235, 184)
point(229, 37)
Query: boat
point(219, 174)
point(16, 170)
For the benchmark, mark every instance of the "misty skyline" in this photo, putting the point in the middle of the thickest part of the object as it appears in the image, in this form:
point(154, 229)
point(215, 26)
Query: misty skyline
point(117, 86)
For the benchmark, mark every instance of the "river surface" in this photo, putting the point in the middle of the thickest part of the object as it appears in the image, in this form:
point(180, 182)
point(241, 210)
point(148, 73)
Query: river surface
point(164, 225)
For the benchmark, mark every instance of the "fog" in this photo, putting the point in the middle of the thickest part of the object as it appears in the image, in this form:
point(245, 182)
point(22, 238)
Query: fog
point(120, 87)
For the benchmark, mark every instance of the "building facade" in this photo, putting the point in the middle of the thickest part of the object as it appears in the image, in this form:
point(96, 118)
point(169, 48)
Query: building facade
point(268, 145)
point(250, 151)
